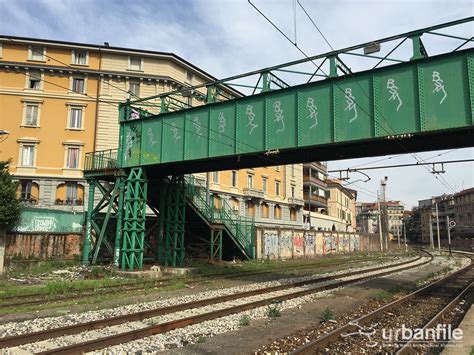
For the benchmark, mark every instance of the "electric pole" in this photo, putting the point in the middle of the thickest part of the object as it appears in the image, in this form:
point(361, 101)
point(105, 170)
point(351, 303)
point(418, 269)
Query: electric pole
point(405, 236)
point(380, 225)
point(449, 234)
point(437, 226)
point(383, 183)
point(431, 234)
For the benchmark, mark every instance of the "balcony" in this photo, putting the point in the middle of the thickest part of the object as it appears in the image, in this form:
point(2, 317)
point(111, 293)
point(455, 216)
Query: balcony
point(101, 161)
point(316, 200)
point(314, 181)
point(254, 193)
point(295, 201)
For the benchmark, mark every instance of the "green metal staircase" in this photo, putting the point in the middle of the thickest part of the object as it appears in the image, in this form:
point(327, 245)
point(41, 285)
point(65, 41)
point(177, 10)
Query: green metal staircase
point(240, 229)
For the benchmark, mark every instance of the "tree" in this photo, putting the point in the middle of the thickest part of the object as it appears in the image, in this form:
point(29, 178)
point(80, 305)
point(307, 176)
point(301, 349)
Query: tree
point(10, 207)
point(413, 225)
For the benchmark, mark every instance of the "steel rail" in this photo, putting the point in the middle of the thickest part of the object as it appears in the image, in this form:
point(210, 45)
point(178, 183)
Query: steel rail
point(408, 346)
point(98, 324)
point(159, 283)
point(161, 328)
point(321, 343)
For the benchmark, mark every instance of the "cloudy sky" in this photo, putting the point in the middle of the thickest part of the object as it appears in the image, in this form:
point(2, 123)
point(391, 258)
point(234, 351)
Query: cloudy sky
point(228, 37)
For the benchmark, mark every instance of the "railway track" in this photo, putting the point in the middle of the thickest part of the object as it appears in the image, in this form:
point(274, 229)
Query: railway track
point(25, 300)
point(221, 306)
point(387, 329)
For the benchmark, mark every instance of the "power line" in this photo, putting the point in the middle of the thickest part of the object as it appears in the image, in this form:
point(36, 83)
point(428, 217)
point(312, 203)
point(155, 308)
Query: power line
point(443, 181)
point(402, 165)
point(445, 184)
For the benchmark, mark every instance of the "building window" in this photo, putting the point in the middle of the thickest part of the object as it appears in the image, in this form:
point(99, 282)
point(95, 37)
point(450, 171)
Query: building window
point(277, 168)
point(26, 186)
point(215, 177)
point(79, 57)
point(292, 191)
point(250, 209)
point(78, 85)
point(36, 53)
point(293, 170)
point(75, 118)
point(293, 214)
point(189, 76)
point(72, 158)
point(34, 80)
point(250, 181)
point(71, 192)
point(31, 115)
point(277, 188)
point(277, 212)
point(264, 185)
point(234, 178)
point(265, 210)
point(135, 89)
point(27, 155)
point(135, 63)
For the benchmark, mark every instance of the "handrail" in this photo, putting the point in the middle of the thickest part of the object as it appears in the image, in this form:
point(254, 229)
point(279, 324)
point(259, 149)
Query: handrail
point(101, 160)
point(240, 227)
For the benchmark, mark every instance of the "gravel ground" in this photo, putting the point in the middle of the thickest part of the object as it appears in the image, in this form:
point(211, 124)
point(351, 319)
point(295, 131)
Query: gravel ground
point(33, 325)
point(205, 329)
point(357, 343)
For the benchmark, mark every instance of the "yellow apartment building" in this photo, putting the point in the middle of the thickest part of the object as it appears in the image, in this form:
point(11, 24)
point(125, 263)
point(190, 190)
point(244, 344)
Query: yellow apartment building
point(60, 100)
point(48, 105)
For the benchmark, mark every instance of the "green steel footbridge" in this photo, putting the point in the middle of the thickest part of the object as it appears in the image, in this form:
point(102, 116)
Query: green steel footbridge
point(406, 93)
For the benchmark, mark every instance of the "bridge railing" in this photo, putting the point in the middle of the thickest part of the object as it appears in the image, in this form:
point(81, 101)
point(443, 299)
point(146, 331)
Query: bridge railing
point(241, 227)
point(365, 56)
point(101, 160)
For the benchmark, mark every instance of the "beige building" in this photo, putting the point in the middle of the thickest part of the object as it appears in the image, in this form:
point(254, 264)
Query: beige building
point(464, 213)
point(342, 204)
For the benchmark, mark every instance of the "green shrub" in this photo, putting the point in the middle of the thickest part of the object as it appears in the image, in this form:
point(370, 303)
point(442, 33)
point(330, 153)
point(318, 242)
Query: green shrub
point(327, 314)
point(274, 312)
point(244, 320)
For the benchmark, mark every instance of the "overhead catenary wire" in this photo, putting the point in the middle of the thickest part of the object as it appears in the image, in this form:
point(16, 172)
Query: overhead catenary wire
point(445, 184)
point(441, 179)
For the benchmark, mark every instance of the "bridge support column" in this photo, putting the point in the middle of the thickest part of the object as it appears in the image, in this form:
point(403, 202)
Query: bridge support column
point(216, 242)
point(86, 248)
point(174, 220)
point(134, 220)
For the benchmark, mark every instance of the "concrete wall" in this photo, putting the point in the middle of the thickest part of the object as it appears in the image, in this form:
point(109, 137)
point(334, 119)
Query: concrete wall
point(297, 243)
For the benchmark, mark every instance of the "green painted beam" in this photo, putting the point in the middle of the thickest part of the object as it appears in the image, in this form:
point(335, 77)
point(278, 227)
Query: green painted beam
point(421, 96)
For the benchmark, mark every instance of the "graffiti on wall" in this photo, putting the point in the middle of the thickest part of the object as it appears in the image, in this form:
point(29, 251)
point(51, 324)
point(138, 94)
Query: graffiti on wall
point(355, 243)
point(270, 244)
point(309, 242)
point(344, 243)
point(36, 220)
point(298, 247)
point(329, 244)
point(286, 244)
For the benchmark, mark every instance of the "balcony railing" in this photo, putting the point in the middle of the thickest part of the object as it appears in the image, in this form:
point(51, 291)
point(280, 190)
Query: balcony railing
point(295, 201)
point(254, 193)
point(101, 160)
point(316, 199)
